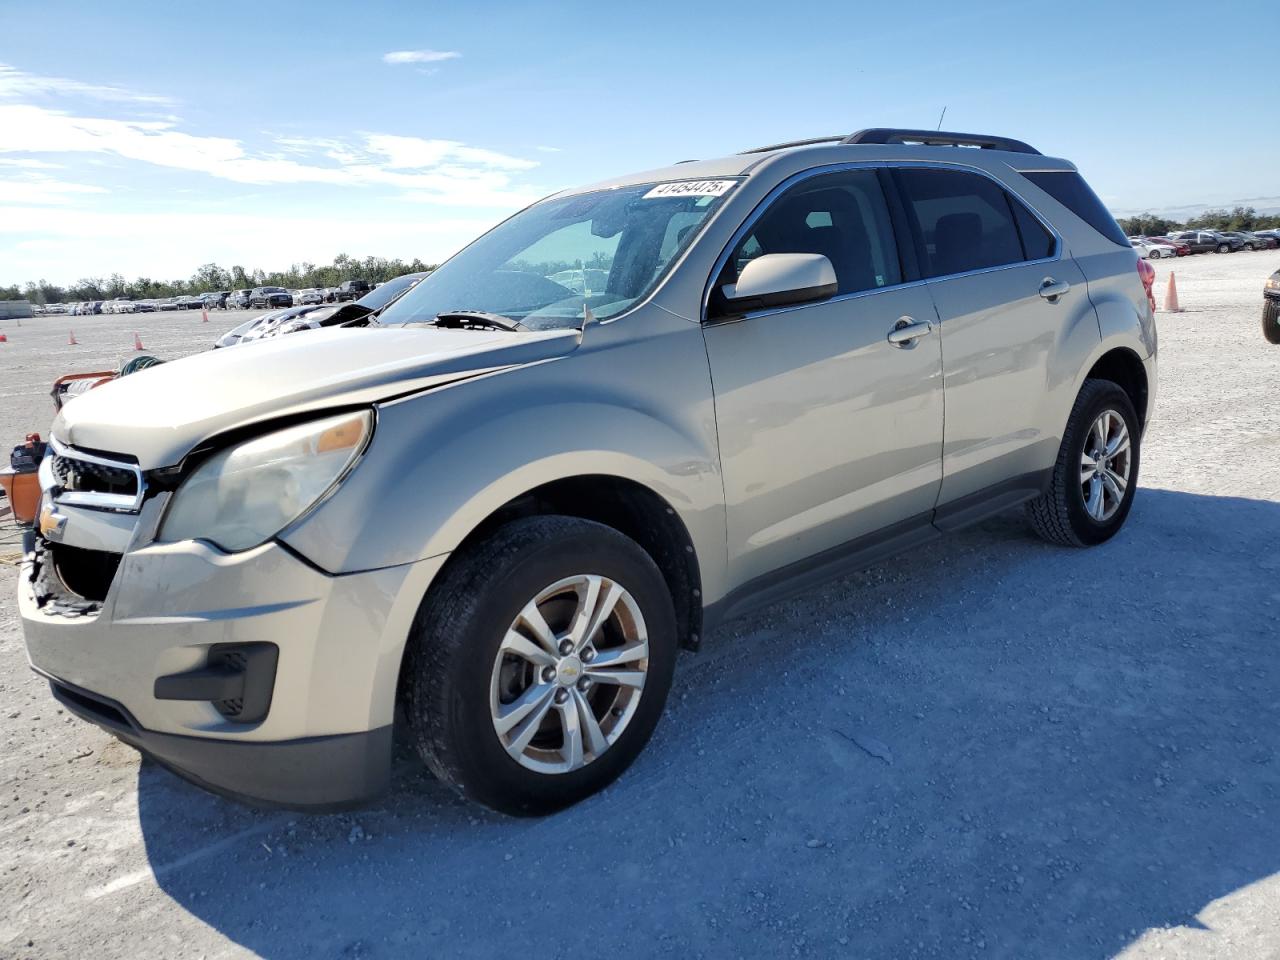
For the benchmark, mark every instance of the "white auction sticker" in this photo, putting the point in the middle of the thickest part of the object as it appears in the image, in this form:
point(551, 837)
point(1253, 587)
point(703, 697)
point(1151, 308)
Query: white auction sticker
point(691, 188)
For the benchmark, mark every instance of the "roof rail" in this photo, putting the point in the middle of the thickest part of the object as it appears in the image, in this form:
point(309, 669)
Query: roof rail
point(795, 143)
point(931, 138)
point(941, 138)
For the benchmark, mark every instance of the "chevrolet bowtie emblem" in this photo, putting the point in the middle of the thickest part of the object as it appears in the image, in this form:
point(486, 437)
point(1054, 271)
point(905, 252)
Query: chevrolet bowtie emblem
point(52, 524)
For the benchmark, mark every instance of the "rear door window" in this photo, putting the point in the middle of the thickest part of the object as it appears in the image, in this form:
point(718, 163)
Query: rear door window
point(962, 221)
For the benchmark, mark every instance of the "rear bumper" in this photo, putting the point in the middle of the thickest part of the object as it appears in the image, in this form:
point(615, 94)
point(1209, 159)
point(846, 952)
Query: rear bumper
point(315, 773)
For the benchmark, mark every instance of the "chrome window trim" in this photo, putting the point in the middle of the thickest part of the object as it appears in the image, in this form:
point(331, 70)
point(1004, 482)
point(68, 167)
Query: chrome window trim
point(740, 234)
point(115, 502)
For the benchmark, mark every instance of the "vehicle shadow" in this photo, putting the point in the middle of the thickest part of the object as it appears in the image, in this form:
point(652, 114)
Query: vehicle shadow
point(989, 747)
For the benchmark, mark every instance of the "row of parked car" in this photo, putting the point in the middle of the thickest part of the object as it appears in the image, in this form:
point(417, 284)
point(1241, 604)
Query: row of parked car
point(1205, 241)
point(250, 298)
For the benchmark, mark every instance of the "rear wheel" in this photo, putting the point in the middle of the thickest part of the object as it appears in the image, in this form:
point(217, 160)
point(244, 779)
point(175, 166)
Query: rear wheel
point(1154, 254)
point(539, 666)
point(1224, 248)
point(1271, 320)
point(1096, 472)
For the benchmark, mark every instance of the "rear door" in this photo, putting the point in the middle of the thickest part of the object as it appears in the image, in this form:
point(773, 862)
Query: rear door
point(828, 431)
point(1007, 297)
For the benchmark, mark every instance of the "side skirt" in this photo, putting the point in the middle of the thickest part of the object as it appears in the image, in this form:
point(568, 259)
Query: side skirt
point(865, 551)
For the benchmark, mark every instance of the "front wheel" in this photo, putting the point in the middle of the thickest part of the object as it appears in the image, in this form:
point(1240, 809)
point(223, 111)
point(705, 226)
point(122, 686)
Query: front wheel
point(1096, 473)
point(1271, 321)
point(539, 665)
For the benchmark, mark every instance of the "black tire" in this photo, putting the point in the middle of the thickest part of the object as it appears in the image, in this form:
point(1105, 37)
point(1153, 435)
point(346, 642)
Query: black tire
point(1154, 255)
point(1271, 320)
point(455, 641)
point(1224, 248)
point(1249, 247)
point(1059, 515)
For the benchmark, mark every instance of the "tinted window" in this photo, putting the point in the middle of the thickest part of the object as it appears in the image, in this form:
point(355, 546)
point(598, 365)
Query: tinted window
point(1070, 190)
point(842, 216)
point(1037, 242)
point(963, 220)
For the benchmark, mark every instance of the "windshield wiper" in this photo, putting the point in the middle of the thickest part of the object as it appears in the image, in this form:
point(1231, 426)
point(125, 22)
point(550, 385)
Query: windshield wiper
point(459, 319)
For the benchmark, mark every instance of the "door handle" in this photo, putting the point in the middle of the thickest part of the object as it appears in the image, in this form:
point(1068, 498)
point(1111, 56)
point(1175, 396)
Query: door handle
point(907, 331)
point(1052, 289)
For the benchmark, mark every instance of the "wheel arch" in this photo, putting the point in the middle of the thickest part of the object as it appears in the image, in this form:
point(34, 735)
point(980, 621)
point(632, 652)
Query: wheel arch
point(633, 509)
point(1122, 365)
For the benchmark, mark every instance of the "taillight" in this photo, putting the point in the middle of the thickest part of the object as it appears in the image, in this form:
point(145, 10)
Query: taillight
point(1148, 274)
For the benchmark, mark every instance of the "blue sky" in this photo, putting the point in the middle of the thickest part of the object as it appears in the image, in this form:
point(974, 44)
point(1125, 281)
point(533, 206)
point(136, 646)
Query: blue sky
point(149, 138)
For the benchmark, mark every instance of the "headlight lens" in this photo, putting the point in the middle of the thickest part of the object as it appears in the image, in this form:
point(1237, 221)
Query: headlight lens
point(246, 494)
point(1273, 284)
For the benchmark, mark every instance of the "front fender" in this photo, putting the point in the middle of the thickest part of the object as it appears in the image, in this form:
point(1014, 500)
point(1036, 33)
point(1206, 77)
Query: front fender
point(440, 463)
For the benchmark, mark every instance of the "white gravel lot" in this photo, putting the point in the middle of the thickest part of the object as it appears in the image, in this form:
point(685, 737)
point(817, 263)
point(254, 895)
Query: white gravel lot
point(986, 748)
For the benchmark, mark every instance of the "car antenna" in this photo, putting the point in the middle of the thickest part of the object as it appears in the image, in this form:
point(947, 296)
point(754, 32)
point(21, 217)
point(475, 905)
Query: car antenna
point(940, 117)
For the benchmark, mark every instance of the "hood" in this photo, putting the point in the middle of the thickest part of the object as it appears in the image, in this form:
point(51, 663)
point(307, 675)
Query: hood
point(159, 414)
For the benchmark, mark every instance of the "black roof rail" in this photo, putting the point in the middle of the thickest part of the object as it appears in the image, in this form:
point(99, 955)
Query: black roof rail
point(940, 138)
point(931, 138)
point(795, 143)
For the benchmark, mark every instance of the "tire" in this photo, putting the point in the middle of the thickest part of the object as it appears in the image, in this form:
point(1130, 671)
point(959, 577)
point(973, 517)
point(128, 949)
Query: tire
point(457, 680)
point(1249, 247)
point(1271, 320)
point(1154, 255)
point(1060, 515)
point(1224, 248)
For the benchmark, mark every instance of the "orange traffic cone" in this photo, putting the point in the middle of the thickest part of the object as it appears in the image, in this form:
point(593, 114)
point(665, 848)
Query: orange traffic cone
point(71, 339)
point(1171, 296)
point(137, 341)
point(204, 315)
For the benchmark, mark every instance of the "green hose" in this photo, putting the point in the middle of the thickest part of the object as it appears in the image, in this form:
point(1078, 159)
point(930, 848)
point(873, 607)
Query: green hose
point(139, 363)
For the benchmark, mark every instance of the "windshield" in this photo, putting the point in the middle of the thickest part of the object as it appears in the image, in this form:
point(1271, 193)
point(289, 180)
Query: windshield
point(604, 250)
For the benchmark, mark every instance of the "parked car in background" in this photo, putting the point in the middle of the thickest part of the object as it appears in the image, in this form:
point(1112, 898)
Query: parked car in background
point(1152, 249)
point(119, 305)
point(1182, 249)
point(1251, 241)
point(1272, 234)
point(1199, 241)
point(270, 297)
point(58, 309)
point(350, 290)
point(1271, 308)
point(216, 299)
point(144, 306)
point(302, 298)
point(238, 299)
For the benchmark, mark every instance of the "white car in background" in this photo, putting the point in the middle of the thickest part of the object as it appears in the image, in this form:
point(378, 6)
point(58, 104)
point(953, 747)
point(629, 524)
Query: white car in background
point(1151, 249)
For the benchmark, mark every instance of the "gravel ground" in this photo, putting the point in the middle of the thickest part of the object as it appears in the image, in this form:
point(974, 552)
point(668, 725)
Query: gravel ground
point(986, 748)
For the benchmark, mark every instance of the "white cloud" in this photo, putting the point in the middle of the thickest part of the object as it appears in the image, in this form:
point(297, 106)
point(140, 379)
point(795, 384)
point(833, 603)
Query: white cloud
point(450, 172)
point(42, 189)
point(29, 164)
point(547, 149)
point(420, 56)
point(17, 84)
point(41, 241)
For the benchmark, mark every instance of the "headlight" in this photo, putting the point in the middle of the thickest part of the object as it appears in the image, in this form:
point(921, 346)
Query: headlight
point(1273, 284)
point(246, 494)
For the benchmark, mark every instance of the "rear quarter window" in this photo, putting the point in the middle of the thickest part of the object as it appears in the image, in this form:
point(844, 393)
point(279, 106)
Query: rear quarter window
point(1070, 190)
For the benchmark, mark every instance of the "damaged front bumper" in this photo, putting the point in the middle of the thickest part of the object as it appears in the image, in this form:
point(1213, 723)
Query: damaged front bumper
point(175, 618)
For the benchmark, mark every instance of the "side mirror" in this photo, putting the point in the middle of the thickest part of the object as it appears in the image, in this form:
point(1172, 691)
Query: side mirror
point(778, 280)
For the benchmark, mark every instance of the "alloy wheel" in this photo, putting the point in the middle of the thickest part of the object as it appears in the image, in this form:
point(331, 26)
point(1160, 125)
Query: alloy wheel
point(1104, 466)
point(569, 674)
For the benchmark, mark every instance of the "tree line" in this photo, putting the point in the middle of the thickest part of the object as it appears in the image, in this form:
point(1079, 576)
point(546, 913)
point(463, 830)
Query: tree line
point(213, 277)
point(1240, 218)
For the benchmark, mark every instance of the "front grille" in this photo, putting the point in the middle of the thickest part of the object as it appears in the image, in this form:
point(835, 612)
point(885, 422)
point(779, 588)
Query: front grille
point(89, 476)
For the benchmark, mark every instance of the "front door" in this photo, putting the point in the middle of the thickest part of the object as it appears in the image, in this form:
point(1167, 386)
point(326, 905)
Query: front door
point(828, 431)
